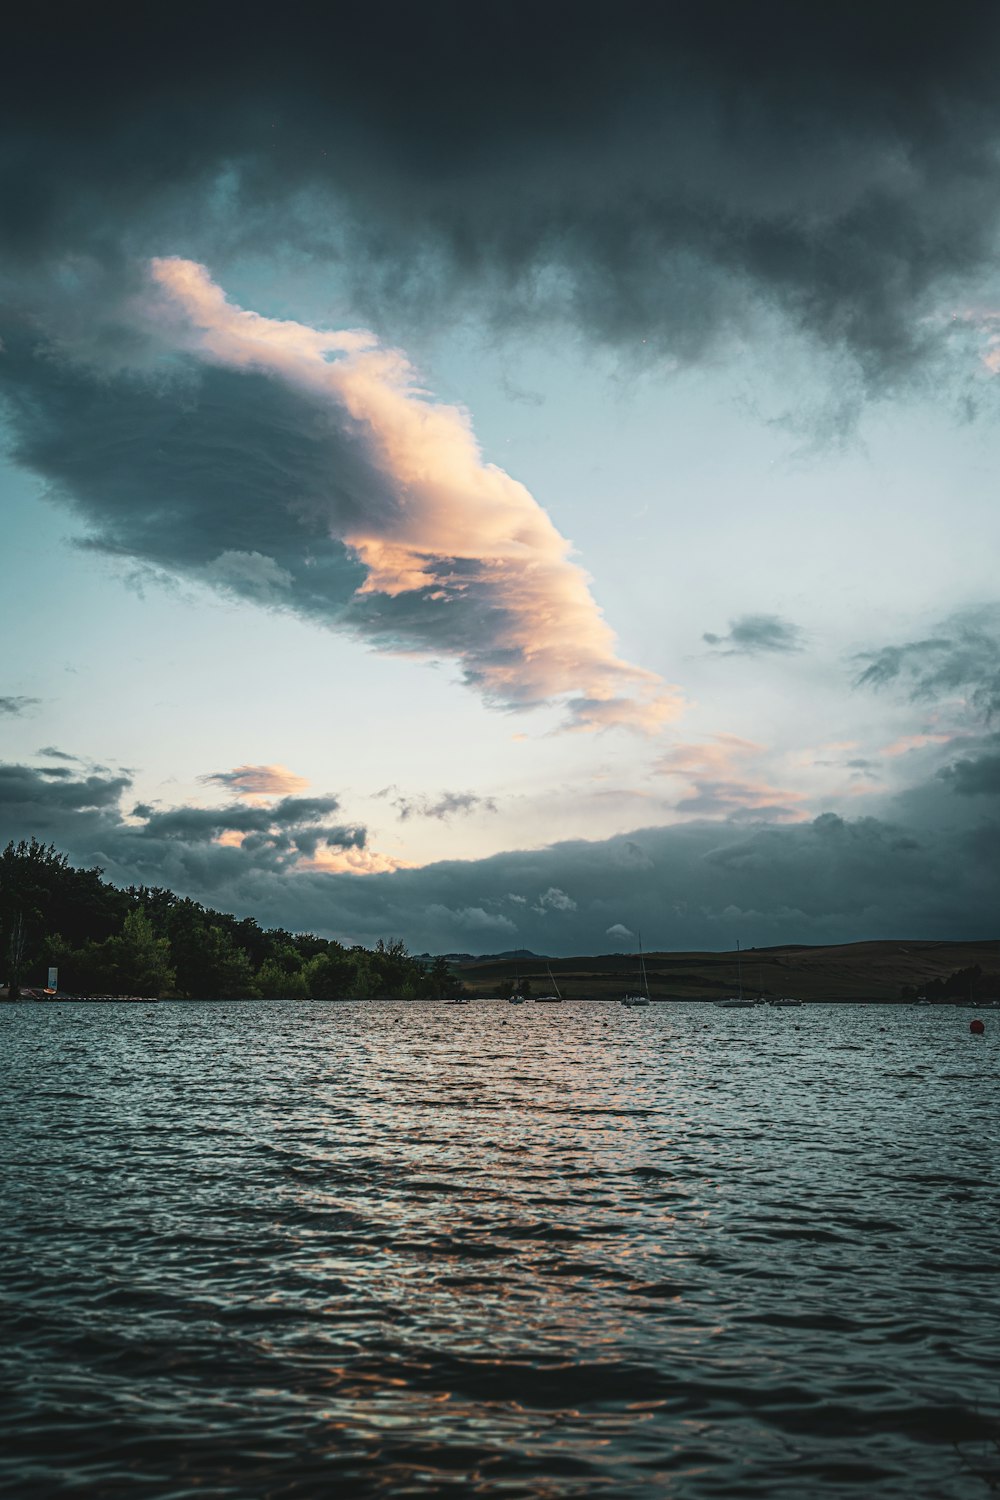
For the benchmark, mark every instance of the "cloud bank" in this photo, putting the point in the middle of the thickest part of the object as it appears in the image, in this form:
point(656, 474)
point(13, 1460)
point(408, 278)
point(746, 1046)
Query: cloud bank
point(925, 867)
point(655, 176)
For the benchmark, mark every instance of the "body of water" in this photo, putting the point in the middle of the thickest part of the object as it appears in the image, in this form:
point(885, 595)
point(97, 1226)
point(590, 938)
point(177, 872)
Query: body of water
point(409, 1250)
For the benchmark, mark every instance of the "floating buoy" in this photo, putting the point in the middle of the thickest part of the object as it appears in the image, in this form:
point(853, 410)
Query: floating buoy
point(977, 1027)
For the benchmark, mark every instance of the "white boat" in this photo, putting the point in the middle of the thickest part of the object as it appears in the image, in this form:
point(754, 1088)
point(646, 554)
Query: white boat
point(632, 1002)
point(784, 1002)
point(516, 997)
point(556, 997)
point(740, 1001)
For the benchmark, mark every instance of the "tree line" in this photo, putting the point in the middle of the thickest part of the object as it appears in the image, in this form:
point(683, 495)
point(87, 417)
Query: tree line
point(146, 940)
point(963, 984)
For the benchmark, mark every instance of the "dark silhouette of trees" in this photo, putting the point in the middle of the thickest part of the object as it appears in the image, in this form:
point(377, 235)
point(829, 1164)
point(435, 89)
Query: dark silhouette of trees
point(444, 984)
point(964, 984)
point(147, 940)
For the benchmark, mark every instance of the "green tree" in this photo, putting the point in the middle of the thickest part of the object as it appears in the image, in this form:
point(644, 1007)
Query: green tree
point(40, 893)
point(15, 939)
point(135, 962)
point(90, 969)
point(274, 982)
point(396, 973)
point(209, 964)
point(28, 871)
point(441, 982)
point(139, 959)
point(332, 975)
point(366, 975)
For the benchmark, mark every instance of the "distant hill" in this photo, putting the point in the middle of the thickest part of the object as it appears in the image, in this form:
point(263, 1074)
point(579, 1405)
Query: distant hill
point(511, 953)
point(847, 971)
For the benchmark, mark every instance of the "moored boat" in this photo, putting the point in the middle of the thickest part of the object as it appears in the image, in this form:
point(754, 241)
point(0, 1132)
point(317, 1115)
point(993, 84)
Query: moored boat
point(640, 998)
point(740, 1001)
point(556, 997)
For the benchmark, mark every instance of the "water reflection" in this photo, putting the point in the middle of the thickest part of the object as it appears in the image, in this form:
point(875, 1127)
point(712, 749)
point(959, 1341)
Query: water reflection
point(423, 1249)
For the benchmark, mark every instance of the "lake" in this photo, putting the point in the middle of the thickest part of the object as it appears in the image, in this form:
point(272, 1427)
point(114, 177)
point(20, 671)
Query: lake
point(267, 1249)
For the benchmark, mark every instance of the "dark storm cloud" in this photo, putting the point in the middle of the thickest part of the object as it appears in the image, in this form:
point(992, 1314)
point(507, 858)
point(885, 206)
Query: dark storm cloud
point(756, 635)
point(221, 476)
point(648, 172)
point(699, 885)
point(977, 776)
point(963, 658)
point(926, 867)
point(177, 847)
point(15, 707)
point(22, 786)
point(660, 178)
point(192, 824)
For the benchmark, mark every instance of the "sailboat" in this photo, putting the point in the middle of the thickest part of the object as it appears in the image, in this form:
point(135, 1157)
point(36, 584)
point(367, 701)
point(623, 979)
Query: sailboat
point(516, 997)
point(556, 997)
point(740, 1001)
point(634, 1000)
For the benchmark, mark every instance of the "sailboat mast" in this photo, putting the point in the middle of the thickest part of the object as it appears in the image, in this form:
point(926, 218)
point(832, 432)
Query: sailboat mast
point(739, 966)
point(642, 967)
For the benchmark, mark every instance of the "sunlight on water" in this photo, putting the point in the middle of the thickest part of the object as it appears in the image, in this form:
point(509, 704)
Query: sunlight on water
point(413, 1249)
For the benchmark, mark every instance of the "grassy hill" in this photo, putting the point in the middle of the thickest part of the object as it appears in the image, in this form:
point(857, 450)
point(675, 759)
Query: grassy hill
point(846, 971)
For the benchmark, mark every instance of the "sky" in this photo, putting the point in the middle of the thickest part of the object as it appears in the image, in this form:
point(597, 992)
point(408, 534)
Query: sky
point(507, 478)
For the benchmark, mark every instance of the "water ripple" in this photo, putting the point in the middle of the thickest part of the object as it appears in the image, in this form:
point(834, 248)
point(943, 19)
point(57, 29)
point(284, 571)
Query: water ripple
point(288, 1250)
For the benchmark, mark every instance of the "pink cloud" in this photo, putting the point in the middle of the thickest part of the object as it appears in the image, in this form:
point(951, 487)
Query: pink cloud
point(353, 862)
point(987, 322)
point(908, 742)
point(446, 527)
point(715, 771)
point(252, 782)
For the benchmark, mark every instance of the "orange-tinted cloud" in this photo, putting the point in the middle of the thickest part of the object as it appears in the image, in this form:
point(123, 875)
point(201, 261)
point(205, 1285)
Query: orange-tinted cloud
point(908, 742)
point(987, 322)
point(338, 861)
point(715, 771)
point(258, 781)
point(460, 559)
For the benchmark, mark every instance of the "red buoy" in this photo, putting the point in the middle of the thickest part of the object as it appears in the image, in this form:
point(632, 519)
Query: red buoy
point(977, 1027)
